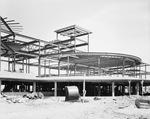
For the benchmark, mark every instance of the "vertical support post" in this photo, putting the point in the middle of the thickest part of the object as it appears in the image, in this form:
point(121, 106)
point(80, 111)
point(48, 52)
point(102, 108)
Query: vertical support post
point(68, 66)
point(88, 42)
point(145, 71)
point(45, 64)
point(8, 63)
point(135, 71)
point(0, 43)
point(99, 89)
point(123, 64)
point(55, 89)
point(142, 87)
point(28, 66)
point(49, 68)
point(34, 86)
point(0, 86)
point(113, 89)
point(99, 68)
point(123, 90)
point(39, 67)
point(137, 88)
point(74, 39)
point(59, 67)
point(129, 89)
point(84, 91)
point(14, 63)
point(28, 61)
point(39, 61)
point(23, 65)
point(75, 69)
point(140, 76)
point(45, 68)
point(94, 71)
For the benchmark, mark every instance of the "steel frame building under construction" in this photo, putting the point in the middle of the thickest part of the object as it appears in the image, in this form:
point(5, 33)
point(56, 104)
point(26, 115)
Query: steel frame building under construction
point(63, 62)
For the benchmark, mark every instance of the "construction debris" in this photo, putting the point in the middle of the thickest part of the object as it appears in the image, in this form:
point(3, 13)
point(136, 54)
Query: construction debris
point(34, 95)
point(22, 99)
point(142, 103)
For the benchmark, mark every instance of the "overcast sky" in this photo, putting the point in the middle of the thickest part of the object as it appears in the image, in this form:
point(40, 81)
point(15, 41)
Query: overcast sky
point(118, 26)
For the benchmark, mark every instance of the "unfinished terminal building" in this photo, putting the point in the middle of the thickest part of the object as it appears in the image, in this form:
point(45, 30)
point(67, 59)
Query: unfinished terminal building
point(29, 64)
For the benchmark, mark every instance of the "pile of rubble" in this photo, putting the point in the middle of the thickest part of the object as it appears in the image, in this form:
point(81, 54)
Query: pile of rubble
point(34, 95)
point(22, 99)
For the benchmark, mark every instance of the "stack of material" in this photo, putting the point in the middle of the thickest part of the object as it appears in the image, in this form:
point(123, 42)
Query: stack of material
point(72, 93)
point(142, 103)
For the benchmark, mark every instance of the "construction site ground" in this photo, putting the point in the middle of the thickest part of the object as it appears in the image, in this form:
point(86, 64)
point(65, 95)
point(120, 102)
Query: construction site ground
point(122, 107)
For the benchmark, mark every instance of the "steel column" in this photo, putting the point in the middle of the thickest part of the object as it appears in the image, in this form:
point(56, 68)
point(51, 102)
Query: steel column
point(45, 68)
point(39, 67)
point(99, 67)
point(8, 63)
point(84, 91)
point(68, 66)
point(99, 89)
point(0, 86)
point(123, 89)
point(75, 69)
point(34, 86)
point(39, 60)
point(137, 88)
point(0, 43)
point(88, 42)
point(145, 71)
point(49, 68)
point(23, 65)
point(28, 66)
point(55, 89)
point(59, 68)
point(129, 89)
point(123, 64)
point(142, 87)
point(113, 89)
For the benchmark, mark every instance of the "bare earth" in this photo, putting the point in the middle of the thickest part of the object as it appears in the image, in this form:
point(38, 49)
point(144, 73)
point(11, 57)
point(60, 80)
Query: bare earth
point(56, 108)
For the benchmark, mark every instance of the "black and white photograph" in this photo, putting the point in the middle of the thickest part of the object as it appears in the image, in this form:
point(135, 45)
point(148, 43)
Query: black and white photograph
point(74, 59)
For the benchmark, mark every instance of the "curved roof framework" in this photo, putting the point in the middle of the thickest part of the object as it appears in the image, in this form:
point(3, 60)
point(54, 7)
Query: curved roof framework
point(94, 62)
point(91, 59)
